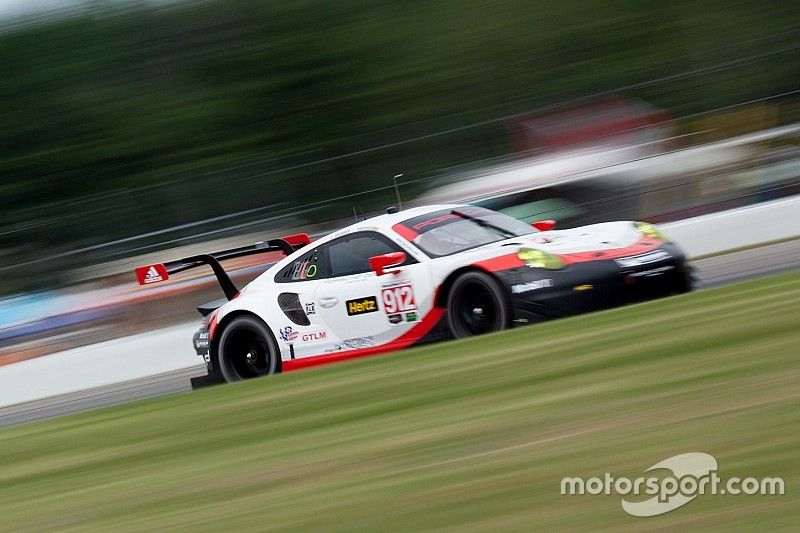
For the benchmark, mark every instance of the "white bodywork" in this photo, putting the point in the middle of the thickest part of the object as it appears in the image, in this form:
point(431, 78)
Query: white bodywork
point(407, 291)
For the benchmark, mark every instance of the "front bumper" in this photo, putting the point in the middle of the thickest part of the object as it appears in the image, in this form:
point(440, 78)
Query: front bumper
point(539, 294)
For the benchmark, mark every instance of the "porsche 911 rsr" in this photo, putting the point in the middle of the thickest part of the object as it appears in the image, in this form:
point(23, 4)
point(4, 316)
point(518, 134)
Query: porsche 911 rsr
point(428, 273)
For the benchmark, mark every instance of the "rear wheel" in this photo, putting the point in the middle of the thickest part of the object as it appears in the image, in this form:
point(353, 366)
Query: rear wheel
point(247, 350)
point(476, 304)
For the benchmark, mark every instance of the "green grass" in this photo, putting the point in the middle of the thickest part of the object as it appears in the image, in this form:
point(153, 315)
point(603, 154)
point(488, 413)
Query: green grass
point(473, 435)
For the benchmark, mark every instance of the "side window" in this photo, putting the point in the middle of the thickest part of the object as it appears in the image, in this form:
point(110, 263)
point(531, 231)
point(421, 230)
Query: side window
point(350, 255)
point(307, 267)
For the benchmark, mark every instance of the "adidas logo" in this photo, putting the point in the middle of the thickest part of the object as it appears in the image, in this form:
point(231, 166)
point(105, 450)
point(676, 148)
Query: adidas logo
point(152, 275)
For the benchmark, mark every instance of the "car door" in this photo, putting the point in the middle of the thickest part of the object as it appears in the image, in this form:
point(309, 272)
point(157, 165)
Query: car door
point(362, 309)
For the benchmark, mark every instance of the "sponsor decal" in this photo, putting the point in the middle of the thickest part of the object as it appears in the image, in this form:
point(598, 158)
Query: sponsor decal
point(532, 285)
point(361, 306)
point(305, 268)
point(398, 299)
point(584, 287)
point(152, 275)
point(348, 231)
point(356, 343)
point(396, 318)
point(636, 260)
point(201, 344)
point(411, 317)
point(396, 282)
point(434, 221)
point(310, 310)
point(652, 272)
point(671, 483)
point(288, 334)
point(314, 336)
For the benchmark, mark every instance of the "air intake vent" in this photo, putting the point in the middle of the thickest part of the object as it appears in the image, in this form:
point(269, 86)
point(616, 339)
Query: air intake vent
point(289, 303)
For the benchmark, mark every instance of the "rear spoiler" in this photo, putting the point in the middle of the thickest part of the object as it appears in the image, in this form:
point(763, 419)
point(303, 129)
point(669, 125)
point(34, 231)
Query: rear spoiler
point(148, 274)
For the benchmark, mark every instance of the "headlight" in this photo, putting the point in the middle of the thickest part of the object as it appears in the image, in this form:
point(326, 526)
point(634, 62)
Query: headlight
point(650, 231)
point(539, 259)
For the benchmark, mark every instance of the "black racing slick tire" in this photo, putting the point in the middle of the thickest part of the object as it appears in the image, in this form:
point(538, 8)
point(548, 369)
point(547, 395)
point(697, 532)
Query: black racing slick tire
point(247, 349)
point(477, 304)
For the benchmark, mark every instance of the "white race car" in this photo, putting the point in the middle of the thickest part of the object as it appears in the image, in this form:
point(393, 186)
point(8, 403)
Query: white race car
point(418, 275)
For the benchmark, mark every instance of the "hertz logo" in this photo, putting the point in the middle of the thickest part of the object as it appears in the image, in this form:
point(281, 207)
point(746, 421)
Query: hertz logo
point(360, 306)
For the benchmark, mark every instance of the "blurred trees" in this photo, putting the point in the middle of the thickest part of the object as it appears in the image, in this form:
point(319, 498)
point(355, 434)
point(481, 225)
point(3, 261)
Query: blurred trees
point(226, 101)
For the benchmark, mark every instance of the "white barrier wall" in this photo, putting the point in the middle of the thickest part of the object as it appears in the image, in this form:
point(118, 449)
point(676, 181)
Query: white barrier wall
point(746, 226)
point(96, 365)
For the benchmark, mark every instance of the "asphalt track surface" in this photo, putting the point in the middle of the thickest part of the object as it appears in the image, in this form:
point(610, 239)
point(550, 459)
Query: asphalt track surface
point(710, 272)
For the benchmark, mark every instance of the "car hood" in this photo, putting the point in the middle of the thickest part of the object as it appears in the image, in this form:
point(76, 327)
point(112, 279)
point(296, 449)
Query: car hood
point(595, 237)
point(604, 236)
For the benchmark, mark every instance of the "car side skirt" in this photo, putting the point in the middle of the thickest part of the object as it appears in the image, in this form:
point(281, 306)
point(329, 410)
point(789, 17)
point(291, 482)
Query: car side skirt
point(425, 330)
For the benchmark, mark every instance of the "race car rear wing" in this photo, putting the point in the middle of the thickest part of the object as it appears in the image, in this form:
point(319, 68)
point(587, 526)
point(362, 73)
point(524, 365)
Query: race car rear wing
point(148, 274)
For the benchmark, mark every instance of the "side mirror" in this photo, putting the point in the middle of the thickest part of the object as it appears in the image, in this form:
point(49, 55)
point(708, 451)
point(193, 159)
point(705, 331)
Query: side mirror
point(380, 262)
point(544, 225)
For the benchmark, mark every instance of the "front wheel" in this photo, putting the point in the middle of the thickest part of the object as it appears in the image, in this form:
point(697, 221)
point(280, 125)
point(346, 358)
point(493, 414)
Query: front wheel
point(476, 304)
point(247, 350)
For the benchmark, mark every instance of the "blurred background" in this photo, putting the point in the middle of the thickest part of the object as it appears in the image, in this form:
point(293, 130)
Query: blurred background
point(145, 129)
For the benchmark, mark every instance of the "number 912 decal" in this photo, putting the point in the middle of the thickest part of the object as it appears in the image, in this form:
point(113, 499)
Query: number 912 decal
point(398, 299)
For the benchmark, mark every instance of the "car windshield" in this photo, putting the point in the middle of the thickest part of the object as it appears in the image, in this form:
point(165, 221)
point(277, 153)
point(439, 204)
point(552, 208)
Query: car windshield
point(521, 207)
point(450, 231)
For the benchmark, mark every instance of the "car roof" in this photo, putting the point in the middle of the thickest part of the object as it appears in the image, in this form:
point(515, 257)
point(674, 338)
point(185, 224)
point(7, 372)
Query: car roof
point(385, 222)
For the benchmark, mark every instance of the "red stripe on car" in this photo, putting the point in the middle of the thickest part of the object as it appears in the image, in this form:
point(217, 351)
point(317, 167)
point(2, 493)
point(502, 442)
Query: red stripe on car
point(422, 328)
point(406, 233)
point(501, 262)
point(212, 324)
point(509, 261)
point(645, 244)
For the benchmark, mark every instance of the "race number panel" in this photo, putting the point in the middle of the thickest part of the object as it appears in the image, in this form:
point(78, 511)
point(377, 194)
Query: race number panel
point(398, 299)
